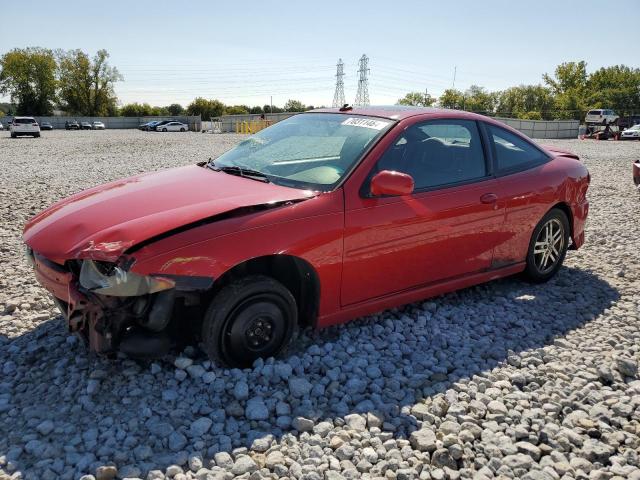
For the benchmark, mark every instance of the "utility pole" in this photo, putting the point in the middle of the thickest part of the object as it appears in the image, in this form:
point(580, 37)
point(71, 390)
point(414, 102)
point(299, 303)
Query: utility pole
point(426, 97)
point(455, 70)
point(362, 96)
point(271, 105)
point(338, 96)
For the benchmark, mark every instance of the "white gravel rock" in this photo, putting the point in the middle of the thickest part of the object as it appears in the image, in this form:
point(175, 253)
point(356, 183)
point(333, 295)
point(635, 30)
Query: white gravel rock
point(504, 380)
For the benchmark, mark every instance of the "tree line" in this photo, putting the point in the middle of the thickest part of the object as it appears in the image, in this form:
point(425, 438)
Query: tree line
point(568, 93)
point(39, 80)
point(208, 109)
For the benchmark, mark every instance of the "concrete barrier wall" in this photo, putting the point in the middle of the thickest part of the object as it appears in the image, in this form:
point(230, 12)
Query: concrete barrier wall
point(531, 128)
point(544, 128)
point(194, 122)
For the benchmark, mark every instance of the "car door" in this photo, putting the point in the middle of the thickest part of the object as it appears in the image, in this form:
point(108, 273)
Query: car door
point(527, 185)
point(446, 228)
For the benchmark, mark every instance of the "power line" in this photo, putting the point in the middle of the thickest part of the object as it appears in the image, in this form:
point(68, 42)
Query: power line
point(362, 96)
point(338, 96)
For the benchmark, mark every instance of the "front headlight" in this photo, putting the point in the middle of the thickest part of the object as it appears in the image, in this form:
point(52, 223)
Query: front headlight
point(109, 279)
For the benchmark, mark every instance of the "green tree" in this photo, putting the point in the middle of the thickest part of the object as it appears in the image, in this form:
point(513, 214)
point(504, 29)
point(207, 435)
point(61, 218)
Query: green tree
point(175, 109)
point(417, 99)
point(478, 99)
point(294, 106)
point(272, 109)
point(616, 87)
point(135, 110)
point(207, 109)
point(87, 85)
point(29, 77)
point(256, 109)
point(452, 98)
point(236, 110)
point(532, 102)
point(569, 86)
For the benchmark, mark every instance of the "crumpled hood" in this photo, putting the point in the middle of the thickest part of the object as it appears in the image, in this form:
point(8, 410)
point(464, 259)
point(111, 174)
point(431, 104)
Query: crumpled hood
point(104, 221)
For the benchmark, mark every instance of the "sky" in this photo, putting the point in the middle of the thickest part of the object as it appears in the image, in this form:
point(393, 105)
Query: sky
point(247, 52)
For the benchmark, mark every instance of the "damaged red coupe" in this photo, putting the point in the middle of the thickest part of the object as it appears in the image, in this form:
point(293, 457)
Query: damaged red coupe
point(321, 218)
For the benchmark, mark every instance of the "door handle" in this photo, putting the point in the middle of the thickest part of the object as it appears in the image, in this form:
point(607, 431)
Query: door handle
point(489, 198)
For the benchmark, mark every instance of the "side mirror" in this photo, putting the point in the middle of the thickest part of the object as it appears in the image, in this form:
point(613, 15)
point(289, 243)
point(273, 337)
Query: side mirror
point(390, 182)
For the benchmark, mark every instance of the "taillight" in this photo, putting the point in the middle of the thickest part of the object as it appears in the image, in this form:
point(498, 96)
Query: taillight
point(34, 124)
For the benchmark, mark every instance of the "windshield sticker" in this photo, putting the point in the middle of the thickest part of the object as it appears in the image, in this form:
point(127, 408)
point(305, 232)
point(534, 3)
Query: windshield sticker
point(366, 123)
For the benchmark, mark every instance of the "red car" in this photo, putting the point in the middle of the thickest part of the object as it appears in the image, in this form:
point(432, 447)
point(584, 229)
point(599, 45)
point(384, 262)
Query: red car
point(321, 218)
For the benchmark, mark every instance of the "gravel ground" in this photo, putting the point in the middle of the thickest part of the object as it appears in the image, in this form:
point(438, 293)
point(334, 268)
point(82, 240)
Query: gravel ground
point(505, 380)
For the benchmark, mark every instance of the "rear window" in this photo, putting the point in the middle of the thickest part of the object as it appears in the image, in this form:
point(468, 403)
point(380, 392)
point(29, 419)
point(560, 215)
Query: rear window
point(23, 120)
point(595, 112)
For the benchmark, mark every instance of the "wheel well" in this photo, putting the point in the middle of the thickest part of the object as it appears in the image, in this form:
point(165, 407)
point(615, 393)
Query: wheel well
point(567, 211)
point(296, 274)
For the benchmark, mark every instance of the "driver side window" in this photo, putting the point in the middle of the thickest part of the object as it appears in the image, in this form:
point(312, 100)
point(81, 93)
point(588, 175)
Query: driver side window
point(437, 153)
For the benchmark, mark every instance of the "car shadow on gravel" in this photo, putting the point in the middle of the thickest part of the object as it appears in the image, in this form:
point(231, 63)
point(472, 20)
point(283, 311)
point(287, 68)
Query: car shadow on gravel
point(61, 406)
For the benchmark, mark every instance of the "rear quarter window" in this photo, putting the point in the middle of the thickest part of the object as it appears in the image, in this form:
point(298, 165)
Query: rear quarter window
point(513, 153)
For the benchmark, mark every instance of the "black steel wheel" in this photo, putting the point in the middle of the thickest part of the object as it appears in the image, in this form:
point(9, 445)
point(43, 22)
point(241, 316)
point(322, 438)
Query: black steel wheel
point(253, 317)
point(548, 246)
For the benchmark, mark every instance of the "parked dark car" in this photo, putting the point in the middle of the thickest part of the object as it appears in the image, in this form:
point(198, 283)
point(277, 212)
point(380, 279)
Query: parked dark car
point(46, 126)
point(71, 125)
point(85, 126)
point(320, 218)
point(148, 126)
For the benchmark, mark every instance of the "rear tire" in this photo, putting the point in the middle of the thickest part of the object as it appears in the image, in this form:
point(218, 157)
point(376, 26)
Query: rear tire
point(253, 317)
point(182, 129)
point(547, 247)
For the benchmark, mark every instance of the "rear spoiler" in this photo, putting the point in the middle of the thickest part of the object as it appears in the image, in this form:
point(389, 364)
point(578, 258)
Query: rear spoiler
point(559, 152)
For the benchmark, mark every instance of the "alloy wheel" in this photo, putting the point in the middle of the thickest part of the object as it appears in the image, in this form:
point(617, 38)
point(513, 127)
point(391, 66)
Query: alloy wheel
point(549, 245)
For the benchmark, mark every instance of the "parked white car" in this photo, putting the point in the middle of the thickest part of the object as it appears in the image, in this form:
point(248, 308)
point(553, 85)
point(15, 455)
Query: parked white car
point(24, 126)
point(97, 126)
point(631, 133)
point(173, 127)
point(601, 117)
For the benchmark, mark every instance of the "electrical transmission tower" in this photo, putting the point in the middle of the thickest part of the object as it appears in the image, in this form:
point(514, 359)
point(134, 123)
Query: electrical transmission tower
point(338, 96)
point(362, 97)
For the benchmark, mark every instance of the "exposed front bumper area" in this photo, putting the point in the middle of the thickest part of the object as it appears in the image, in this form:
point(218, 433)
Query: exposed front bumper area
point(580, 213)
point(135, 324)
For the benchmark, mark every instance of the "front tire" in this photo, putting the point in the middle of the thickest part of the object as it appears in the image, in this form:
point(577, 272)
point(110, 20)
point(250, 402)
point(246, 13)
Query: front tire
point(253, 317)
point(164, 129)
point(548, 246)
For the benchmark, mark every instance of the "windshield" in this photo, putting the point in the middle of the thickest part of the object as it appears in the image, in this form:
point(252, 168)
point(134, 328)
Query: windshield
point(311, 150)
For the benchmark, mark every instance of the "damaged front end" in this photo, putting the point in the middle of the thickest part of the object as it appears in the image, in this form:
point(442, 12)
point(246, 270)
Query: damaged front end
point(113, 308)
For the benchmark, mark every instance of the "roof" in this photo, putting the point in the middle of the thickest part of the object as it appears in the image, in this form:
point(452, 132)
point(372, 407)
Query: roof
point(393, 112)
